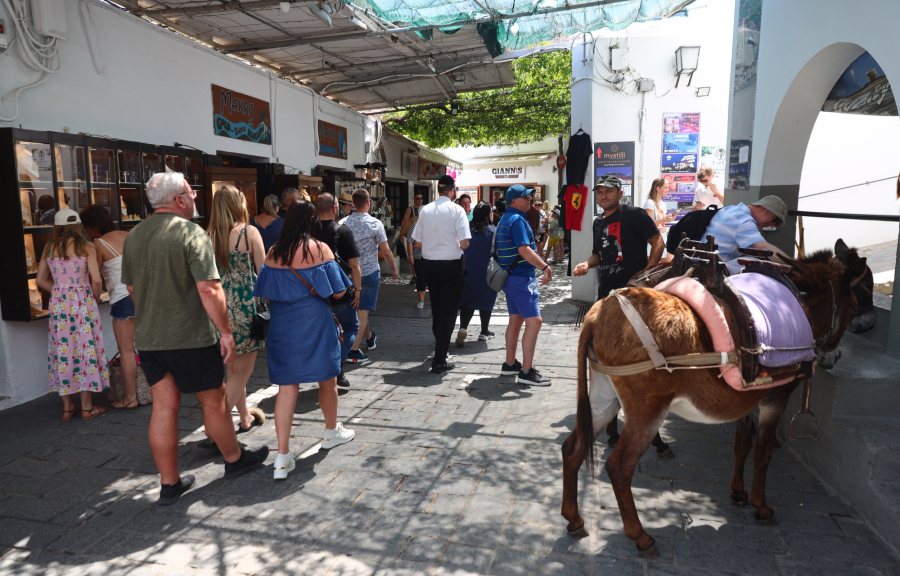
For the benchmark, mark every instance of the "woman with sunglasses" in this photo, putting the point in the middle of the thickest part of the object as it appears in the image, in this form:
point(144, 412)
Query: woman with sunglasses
point(707, 193)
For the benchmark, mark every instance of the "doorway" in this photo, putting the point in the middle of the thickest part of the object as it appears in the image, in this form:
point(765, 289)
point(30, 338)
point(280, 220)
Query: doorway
point(397, 194)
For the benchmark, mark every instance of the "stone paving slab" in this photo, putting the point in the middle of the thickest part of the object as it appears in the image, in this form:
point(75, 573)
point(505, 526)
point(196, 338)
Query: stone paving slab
point(448, 475)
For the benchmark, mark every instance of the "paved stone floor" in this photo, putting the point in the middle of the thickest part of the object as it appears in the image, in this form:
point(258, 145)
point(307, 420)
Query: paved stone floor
point(450, 475)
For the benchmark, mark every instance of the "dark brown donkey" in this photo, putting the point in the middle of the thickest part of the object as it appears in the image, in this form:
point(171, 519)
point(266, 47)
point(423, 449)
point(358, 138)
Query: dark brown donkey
point(696, 395)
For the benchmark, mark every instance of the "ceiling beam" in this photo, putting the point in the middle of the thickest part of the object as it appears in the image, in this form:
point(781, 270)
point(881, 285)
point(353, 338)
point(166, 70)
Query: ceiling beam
point(359, 86)
point(286, 42)
point(223, 6)
point(362, 65)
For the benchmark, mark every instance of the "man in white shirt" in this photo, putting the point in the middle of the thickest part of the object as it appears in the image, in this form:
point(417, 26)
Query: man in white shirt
point(442, 233)
point(707, 193)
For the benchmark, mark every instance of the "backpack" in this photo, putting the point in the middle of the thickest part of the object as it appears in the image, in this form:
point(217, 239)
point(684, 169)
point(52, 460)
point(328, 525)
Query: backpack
point(693, 224)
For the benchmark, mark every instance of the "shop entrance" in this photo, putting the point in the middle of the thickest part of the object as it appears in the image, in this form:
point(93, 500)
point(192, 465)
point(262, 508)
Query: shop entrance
point(494, 192)
point(425, 191)
point(397, 194)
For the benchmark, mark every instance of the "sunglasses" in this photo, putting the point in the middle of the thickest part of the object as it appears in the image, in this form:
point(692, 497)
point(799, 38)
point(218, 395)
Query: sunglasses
point(704, 181)
point(418, 197)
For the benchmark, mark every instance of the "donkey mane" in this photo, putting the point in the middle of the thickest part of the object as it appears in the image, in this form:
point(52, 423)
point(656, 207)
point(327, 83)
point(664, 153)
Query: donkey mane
point(821, 267)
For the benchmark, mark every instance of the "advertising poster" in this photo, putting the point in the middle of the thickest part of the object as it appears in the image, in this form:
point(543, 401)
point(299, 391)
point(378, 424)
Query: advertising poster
point(680, 197)
point(241, 117)
point(332, 140)
point(429, 170)
point(862, 89)
point(681, 123)
point(617, 159)
point(681, 143)
point(714, 157)
point(679, 163)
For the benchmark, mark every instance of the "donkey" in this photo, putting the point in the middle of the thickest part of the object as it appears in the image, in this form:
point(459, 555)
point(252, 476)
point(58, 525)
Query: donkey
point(696, 395)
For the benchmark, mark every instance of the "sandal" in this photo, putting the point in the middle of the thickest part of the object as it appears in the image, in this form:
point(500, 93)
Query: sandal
point(130, 406)
point(69, 414)
point(93, 412)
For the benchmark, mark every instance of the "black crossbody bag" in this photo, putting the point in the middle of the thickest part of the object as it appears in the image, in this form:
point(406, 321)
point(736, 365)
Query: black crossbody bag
point(348, 295)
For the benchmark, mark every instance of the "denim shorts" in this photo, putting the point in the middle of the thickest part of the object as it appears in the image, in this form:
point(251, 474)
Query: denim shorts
point(122, 309)
point(368, 298)
point(522, 296)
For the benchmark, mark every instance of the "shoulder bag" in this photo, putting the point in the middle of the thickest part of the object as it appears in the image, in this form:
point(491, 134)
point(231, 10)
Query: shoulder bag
point(348, 296)
point(327, 301)
point(259, 323)
point(497, 274)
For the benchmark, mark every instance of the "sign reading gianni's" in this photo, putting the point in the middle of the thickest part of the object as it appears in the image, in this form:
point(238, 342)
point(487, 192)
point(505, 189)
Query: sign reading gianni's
point(241, 117)
point(512, 173)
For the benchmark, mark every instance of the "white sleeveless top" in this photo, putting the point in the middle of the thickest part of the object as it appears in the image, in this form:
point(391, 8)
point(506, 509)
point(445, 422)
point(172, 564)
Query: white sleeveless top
point(111, 270)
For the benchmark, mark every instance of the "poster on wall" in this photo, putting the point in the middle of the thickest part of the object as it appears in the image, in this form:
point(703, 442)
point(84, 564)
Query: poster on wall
point(743, 98)
point(679, 161)
point(409, 165)
point(681, 123)
point(241, 117)
point(615, 159)
point(681, 143)
point(715, 158)
point(430, 170)
point(332, 140)
point(509, 173)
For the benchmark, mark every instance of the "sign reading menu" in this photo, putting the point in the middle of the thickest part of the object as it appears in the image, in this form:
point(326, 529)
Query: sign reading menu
point(332, 140)
point(241, 117)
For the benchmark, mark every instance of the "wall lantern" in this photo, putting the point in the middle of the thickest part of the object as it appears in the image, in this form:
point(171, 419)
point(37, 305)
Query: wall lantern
point(687, 58)
point(701, 92)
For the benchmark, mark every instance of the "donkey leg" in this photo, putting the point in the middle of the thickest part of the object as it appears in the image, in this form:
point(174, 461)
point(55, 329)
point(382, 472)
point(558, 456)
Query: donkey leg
point(742, 444)
point(612, 429)
point(662, 449)
point(770, 411)
point(636, 437)
point(573, 457)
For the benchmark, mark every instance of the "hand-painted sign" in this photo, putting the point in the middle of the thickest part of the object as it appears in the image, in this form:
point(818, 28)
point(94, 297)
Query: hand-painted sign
point(241, 117)
point(429, 170)
point(332, 140)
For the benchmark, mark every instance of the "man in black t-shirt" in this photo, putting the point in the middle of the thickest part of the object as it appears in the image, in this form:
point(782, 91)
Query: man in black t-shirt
point(340, 240)
point(621, 236)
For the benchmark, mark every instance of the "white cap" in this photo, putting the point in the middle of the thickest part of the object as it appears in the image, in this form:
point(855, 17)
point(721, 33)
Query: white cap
point(65, 217)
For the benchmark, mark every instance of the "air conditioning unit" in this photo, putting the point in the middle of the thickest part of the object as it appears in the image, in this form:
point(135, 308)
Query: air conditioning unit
point(49, 18)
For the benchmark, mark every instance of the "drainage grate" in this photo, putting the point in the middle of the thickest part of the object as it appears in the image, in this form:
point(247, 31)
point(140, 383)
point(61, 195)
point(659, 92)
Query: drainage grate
point(579, 317)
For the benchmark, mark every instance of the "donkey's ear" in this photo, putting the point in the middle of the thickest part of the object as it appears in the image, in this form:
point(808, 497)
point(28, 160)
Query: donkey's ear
point(854, 273)
point(799, 265)
point(841, 249)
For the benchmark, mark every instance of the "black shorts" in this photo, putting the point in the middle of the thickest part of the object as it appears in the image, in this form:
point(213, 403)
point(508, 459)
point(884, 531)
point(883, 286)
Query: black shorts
point(194, 369)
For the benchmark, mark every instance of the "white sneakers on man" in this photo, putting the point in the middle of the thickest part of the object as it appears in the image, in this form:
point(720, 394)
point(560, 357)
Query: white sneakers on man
point(420, 305)
point(284, 463)
point(336, 437)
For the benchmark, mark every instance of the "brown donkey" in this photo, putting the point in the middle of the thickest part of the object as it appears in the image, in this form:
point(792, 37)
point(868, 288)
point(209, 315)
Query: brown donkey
point(697, 395)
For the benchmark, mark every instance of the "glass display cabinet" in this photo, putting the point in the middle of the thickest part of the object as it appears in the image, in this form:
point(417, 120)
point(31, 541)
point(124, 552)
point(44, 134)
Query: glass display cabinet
point(43, 172)
point(312, 185)
point(244, 179)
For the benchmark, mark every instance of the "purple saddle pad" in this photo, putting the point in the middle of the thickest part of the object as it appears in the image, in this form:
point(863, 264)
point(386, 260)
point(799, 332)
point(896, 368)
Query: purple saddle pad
point(780, 321)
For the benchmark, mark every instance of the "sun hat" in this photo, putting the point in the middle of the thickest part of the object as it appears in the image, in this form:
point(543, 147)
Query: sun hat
point(345, 198)
point(776, 206)
point(65, 217)
point(517, 191)
point(608, 181)
point(556, 211)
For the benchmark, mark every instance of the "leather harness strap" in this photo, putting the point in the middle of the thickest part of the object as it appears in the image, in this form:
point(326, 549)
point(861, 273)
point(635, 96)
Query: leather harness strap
point(641, 329)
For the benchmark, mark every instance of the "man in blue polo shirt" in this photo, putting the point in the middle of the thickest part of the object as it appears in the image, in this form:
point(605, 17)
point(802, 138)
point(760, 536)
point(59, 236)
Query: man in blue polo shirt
point(517, 252)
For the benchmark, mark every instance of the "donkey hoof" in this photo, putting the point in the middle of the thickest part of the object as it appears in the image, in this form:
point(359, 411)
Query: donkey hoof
point(742, 502)
point(579, 532)
point(651, 552)
point(613, 440)
point(666, 454)
point(770, 521)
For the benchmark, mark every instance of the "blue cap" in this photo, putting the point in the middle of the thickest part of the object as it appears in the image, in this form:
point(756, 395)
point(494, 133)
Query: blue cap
point(517, 191)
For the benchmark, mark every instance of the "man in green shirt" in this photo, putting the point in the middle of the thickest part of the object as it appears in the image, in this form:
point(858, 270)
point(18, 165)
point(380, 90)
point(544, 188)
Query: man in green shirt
point(181, 329)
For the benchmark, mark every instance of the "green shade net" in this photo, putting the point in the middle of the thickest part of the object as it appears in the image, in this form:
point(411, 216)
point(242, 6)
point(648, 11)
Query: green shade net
point(502, 35)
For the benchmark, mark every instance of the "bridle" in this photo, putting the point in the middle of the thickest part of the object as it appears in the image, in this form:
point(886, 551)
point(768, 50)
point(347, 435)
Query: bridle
point(820, 344)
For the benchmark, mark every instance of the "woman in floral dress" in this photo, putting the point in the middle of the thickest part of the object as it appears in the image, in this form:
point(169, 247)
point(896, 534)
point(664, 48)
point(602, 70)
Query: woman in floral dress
point(76, 357)
point(239, 253)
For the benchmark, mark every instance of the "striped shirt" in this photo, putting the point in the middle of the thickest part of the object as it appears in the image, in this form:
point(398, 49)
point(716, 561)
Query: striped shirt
point(514, 231)
point(733, 227)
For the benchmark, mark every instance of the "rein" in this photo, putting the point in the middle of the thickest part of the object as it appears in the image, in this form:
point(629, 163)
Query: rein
point(828, 334)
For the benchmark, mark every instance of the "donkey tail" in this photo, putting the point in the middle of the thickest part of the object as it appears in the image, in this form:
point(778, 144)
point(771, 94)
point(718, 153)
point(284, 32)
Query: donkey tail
point(585, 417)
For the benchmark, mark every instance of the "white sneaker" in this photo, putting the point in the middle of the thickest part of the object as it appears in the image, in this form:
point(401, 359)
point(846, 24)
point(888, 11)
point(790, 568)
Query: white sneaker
point(336, 437)
point(420, 305)
point(284, 464)
point(461, 337)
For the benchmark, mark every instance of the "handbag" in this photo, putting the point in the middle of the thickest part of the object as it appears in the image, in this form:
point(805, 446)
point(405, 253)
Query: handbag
point(313, 292)
point(259, 324)
point(497, 274)
point(117, 384)
point(348, 296)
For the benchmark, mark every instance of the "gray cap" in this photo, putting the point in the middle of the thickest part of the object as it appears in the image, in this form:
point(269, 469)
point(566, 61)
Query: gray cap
point(776, 206)
point(608, 181)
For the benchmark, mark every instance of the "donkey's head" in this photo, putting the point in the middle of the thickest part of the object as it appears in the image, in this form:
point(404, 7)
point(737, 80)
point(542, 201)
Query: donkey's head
point(862, 319)
point(831, 282)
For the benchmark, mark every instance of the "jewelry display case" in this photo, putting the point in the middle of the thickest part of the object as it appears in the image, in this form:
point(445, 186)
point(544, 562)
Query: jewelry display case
point(312, 185)
point(244, 179)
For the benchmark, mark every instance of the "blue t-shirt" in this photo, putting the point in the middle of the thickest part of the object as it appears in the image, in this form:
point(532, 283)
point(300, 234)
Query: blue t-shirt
point(513, 231)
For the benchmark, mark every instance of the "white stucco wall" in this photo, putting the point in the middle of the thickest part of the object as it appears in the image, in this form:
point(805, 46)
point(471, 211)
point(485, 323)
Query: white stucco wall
point(610, 116)
point(156, 88)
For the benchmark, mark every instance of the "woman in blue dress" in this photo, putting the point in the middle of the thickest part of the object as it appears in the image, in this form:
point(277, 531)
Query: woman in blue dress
point(303, 339)
point(477, 295)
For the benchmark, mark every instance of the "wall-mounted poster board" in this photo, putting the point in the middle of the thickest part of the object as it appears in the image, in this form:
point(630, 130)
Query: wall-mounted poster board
point(332, 140)
point(616, 159)
point(680, 161)
point(241, 117)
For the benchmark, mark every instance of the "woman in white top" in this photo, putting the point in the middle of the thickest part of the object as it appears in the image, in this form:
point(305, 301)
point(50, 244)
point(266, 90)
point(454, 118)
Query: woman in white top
point(707, 193)
point(655, 206)
point(108, 240)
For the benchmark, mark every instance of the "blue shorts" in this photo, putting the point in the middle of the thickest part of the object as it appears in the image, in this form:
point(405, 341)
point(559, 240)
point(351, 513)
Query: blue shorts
point(122, 309)
point(522, 296)
point(369, 295)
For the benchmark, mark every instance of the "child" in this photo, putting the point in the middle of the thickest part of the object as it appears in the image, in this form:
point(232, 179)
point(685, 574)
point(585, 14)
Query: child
point(75, 353)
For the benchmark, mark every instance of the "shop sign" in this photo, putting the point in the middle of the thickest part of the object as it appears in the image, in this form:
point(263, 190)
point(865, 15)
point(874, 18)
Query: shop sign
point(862, 89)
point(409, 165)
point(511, 173)
point(430, 170)
point(561, 162)
point(241, 117)
point(332, 140)
point(615, 159)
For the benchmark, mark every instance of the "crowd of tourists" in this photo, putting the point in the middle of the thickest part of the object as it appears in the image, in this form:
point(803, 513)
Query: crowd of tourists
point(198, 306)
